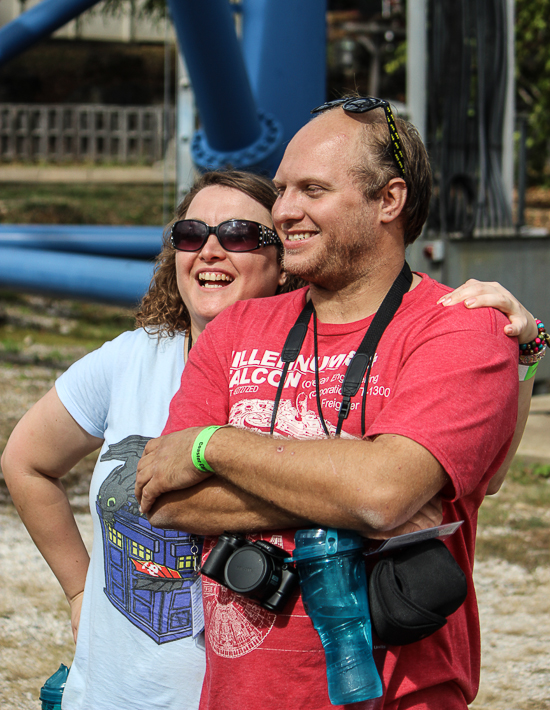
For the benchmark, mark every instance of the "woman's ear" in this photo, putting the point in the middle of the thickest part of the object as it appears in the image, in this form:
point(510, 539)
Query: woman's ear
point(282, 275)
point(393, 197)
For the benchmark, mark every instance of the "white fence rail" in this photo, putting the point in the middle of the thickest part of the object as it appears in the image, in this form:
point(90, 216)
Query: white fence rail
point(83, 133)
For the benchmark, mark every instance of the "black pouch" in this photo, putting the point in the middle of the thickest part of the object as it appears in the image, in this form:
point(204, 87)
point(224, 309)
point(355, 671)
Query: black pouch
point(412, 593)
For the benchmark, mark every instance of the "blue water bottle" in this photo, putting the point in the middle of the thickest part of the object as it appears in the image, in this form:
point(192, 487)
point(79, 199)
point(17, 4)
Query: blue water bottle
point(52, 690)
point(334, 591)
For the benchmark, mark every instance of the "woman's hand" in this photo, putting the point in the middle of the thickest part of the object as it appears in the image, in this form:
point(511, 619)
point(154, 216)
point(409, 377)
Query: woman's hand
point(76, 607)
point(482, 294)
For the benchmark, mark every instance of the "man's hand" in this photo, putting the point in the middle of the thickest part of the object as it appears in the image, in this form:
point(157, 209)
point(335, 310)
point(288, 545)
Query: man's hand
point(429, 516)
point(166, 465)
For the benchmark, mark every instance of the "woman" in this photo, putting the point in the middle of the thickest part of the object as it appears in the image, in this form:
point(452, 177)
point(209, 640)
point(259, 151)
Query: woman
point(139, 644)
point(142, 605)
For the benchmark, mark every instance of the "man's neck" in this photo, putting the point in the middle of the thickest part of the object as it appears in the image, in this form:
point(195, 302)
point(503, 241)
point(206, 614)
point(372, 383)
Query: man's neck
point(358, 300)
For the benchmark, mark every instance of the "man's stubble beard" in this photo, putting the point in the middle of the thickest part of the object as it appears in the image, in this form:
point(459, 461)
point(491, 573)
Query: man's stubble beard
point(337, 262)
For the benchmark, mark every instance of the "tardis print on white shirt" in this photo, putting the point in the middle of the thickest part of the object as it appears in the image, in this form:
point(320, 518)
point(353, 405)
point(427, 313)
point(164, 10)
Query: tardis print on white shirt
point(149, 572)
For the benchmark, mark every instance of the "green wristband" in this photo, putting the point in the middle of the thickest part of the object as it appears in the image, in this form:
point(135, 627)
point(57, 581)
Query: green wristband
point(527, 371)
point(199, 446)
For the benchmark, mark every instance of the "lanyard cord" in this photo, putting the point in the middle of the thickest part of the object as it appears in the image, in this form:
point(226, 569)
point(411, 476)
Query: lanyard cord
point(291, 350)
point(317, 387)
point(364, 399)
point(361, 362)
point(278, 397)
point(364, 357)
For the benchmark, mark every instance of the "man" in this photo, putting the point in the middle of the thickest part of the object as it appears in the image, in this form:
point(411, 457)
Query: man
point(438, 410)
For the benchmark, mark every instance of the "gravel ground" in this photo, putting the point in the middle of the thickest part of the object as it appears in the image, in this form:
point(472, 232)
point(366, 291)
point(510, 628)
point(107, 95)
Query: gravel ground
point(515, 636)
point(35, 632)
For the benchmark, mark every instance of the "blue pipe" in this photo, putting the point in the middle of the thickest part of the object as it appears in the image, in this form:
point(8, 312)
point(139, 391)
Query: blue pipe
point(225, 102)
point(128, 241)
point(94, 278)
point(284, 49)
point(234, 132)
point(38, 22)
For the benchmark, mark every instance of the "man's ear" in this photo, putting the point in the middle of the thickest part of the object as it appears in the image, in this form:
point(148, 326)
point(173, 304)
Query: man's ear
point(393, 197)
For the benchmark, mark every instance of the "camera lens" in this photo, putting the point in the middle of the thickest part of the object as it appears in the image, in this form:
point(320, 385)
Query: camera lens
point(248, 570)
point(214, 564)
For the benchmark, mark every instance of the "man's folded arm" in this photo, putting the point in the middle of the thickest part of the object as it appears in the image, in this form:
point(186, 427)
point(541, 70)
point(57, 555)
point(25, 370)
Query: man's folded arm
point(215, 505)
point(369, 486)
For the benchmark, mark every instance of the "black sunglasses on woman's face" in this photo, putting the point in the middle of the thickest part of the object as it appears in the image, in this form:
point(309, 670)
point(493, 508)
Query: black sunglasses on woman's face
point(233, 235)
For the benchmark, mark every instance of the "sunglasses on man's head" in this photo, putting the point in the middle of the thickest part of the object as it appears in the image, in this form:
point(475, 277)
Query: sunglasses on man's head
point(233, 235)
point(362, 104)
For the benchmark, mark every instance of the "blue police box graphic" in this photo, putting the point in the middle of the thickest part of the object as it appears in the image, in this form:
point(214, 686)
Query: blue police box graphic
point(148, 571)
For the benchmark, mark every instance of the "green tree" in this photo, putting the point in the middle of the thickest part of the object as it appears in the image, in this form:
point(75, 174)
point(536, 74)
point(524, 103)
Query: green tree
point(148, 8)
point(533, 79)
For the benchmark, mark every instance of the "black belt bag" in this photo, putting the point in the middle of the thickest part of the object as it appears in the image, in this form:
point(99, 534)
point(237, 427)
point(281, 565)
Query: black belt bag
point(412, 593)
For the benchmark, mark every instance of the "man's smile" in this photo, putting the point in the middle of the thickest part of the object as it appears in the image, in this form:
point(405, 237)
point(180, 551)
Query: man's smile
point(299, 237)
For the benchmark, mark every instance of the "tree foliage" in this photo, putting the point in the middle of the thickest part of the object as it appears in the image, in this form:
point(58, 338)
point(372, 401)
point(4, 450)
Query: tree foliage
point(146, 8)
point(533, 79)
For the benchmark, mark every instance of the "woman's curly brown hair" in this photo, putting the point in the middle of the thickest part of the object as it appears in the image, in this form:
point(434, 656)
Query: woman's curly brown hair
point(162, 310)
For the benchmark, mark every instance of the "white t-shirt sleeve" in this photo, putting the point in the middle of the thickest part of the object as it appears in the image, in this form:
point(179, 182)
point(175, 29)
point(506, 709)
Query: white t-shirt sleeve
point(85, 388)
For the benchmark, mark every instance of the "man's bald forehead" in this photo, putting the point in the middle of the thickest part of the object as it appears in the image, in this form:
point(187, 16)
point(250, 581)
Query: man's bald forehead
point(336, 129)
point(352, 129)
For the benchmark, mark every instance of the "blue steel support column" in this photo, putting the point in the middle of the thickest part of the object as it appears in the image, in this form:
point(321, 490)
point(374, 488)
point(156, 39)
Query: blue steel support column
point(233, 130)
point(38, 22)
point(284, 48)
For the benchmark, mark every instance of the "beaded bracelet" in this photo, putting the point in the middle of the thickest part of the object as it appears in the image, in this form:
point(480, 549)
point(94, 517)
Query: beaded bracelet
point(532, 352)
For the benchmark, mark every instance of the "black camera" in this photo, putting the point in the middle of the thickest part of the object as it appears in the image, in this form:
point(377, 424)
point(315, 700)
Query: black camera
point(255, 569)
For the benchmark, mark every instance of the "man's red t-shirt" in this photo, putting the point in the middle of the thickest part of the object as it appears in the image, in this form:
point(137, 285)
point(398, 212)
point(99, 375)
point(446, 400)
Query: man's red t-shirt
point(443, 377)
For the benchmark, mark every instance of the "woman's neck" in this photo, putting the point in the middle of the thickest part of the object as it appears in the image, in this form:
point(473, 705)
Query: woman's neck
point(191, 336)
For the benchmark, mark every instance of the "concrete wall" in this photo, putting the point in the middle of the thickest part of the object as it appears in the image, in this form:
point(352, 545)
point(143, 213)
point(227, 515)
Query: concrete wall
point(520, 264)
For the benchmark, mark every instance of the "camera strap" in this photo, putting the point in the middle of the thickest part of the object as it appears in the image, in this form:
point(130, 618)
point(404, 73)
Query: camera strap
point(361, 362)
point(291, 350)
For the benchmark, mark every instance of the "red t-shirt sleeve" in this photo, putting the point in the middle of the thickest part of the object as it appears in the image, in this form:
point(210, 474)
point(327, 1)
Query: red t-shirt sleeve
point(456, 395)
point(203, 396)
